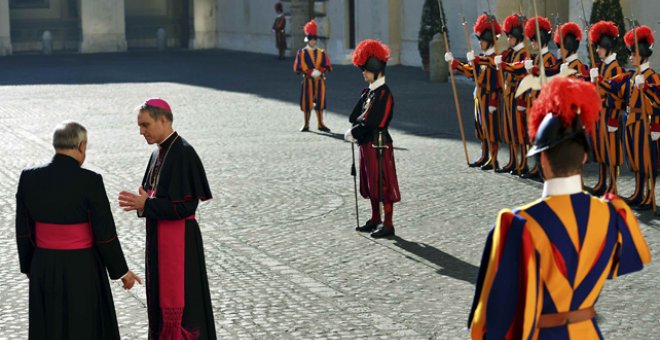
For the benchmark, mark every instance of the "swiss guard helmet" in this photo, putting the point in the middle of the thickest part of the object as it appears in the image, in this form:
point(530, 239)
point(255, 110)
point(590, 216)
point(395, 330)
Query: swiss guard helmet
point(514, 26)
point(544, 26)
point(571, 34)
point(483, 29)
point(604, 34)
point(645, 41)
point(371, 55)
point(566, 109)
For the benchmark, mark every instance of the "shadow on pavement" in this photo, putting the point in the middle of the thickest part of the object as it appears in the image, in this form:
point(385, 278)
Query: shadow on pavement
point(451, 266)
point(421, 107)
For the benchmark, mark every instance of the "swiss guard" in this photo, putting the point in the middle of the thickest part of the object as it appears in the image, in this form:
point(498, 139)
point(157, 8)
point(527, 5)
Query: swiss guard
point(313, 64)
point(641, 135)
point(544, 264)
point(488, 90)
point(371, 118)
point(515, 109)
point(569, 42)
point(603, 35)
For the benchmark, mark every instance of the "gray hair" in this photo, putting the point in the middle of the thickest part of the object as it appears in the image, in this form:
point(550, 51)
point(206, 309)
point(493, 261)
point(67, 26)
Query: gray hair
point(69, 135)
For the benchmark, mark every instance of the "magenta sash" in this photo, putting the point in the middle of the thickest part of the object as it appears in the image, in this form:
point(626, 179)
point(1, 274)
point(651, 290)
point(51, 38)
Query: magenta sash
point(64, 236)
point(171, 278)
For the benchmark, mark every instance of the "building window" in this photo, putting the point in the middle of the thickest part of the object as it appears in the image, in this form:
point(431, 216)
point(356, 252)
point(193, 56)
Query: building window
point(15, 4)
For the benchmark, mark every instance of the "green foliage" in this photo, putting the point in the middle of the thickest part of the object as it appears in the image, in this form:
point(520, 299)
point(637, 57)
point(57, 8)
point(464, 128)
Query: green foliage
point(610, 10)
point(429, 27)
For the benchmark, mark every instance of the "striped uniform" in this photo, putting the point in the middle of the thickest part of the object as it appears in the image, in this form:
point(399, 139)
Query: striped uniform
point(611, 108)
point(517, 123)
point(582, 71)
point(312, 93)
point(486, 97)
point(553, 256)
point(637, 134)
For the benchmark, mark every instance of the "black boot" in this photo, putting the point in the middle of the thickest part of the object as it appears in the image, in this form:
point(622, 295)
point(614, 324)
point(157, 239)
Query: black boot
point(383, 231)
point(368, 227)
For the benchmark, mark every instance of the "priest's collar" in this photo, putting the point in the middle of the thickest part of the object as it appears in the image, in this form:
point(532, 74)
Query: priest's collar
point(562, 186)
point(645, 66)
point(610, 58)
point(377, 83)
point(168, 140)
point(571, 57)
point(519, 46)
point(490, 51)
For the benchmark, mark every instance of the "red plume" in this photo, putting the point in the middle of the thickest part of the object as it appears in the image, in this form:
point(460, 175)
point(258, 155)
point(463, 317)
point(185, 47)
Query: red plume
point(510, 22)
point(530, 26)
point(643, 33)
point(602, 27)
point(370, 48)
point(568, 28)
point(310, 28)
point(483, 23)
point(563, 97)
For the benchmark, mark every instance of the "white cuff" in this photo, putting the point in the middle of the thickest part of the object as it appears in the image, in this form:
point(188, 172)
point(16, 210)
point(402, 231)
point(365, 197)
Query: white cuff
point(655, 136)
point(521, 108)
point(123, 276)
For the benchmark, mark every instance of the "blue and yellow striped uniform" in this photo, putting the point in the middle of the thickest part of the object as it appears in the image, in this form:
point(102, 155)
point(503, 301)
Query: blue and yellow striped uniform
point(515, 123)
point(611, 108)
point(312, 93)
point(637, 139)
point(486, 93)
point(553, 256)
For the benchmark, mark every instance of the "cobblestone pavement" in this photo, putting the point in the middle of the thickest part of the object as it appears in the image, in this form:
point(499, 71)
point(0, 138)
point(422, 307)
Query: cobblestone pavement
point(282, 256)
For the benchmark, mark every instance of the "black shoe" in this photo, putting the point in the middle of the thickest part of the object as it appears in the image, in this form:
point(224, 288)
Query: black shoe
point(504, 169)
point(490, 166)
point(477, 163)
point(368, 227)
point(324, 129)
point(642, 207)
point(527, 175)
point(632, 201)
point(383, 232)
point(304, 129)
point(598, 191)
point(514, 172)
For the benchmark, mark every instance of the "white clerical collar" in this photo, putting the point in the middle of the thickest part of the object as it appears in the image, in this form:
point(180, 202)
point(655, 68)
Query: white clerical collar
point(377, 83)
point(166, 138)
point(645, 66)
point(545, 50)
point(519, 46)
point(490, 51)
point(571, 58)
point(562, 186)
point(610, 58)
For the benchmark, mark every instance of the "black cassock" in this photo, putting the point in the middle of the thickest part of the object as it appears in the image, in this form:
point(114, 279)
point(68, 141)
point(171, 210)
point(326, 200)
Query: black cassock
point(177, 175)
point(70, 296)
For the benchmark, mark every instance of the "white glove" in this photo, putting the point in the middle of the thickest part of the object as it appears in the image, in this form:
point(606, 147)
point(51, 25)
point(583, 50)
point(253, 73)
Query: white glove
point(563, 68)
point(655, 136)
point(449, 57)
point(558, 53)
point(470, 56)
point(639, 80)
point(348, 136)
point(498, 61)
point(529, 65)
point(611, 128)
point(492, 109)
point(521, 108)
point(593, 73)
point(316, 73)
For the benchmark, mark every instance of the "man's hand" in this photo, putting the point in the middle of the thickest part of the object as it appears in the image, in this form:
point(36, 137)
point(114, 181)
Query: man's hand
point(593, 74)
point(449, 57)
point(130, 201)
point(529, 64)
point(129, 280)
point(470, 56)
point(348, 136)
point(498, 61)
point(639, 81)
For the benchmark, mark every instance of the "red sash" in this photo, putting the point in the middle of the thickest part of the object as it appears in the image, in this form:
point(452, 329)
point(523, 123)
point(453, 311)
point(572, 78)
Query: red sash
point(171, 278)
point(64, 236)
